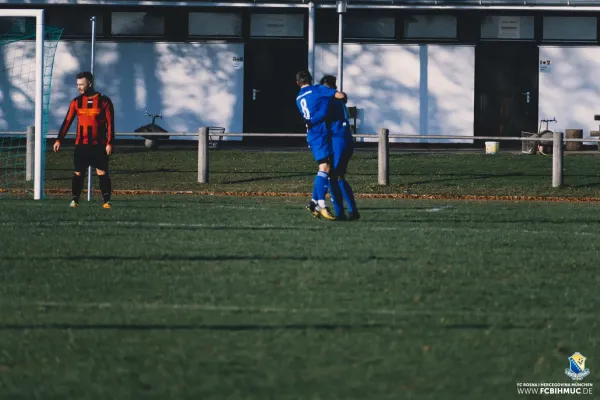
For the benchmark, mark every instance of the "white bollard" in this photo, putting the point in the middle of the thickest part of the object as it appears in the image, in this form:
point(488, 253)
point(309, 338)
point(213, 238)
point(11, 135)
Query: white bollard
point(384, 156)
point(30, 153)
point(557, 160)
point(203, 155)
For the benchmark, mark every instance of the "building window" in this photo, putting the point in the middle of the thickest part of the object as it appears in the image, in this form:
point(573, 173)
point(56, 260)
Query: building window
point(287, 25)
point(430, 27)
point(138, 24)
point(507, 27)
point(215, 24)
point(75, 22)
point(570, 28)
point(369, 27)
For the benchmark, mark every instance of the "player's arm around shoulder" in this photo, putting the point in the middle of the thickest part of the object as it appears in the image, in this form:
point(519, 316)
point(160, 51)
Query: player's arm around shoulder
point(341, 96)
point(332, 92)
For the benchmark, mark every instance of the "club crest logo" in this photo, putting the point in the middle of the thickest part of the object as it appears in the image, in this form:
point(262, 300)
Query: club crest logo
point(577, 370)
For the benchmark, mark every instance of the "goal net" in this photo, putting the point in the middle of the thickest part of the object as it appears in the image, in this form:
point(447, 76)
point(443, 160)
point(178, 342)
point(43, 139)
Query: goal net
point(25, 59)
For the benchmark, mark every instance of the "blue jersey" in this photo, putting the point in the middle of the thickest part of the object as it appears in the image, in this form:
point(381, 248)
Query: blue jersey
point(337, 119)
point(313, 102)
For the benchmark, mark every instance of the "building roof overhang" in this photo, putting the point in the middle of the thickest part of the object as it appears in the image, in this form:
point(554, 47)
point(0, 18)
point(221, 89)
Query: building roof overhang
point(557, 5)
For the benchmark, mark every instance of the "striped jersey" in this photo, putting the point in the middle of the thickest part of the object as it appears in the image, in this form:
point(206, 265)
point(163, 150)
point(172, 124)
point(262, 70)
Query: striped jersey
point(95, 120)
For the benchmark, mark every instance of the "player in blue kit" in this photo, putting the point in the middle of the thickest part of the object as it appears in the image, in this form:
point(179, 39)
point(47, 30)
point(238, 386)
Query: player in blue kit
point(313, 102)
point(342, 148)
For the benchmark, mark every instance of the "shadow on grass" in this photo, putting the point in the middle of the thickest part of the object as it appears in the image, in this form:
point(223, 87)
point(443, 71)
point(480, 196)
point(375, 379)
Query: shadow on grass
point(265, 178)
point(481, 223)
point(463, 177)
point(584, 185)
point(173, 257)
point(183, 327)
point(245, 327)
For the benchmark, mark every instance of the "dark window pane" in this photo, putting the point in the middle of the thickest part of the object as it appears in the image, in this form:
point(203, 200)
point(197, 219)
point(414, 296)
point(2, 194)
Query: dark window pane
point(75, 22)
point(430, 26)
point(138, 24)
point(215, 24)
point(365, 27)
point(16, 25)
point(570, 28)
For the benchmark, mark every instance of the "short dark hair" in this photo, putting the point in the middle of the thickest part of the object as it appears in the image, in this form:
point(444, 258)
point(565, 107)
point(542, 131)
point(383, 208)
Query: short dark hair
point(87, 75)
point(329, 80)
point(304, 78)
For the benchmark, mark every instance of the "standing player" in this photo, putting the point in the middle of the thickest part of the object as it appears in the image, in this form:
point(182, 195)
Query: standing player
point(342, 147)
point(95, 133)
point(313, 103)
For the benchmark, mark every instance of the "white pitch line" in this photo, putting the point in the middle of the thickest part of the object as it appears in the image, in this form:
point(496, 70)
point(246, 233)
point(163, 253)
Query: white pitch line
point(437, 209)
point(317, 227)
point(144, 224)
point(281, 310)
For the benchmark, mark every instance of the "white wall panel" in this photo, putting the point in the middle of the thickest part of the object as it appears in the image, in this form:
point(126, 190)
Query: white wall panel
point(191, 84)
point(409, 89)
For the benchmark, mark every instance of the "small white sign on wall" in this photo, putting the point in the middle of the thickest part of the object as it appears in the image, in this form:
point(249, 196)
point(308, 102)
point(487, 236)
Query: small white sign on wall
point(238, 62)
point(509, 27)
point(545, 66)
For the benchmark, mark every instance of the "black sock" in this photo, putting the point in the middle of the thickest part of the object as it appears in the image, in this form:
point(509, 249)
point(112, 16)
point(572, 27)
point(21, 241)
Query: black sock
point(105, 187)
point(76, 187)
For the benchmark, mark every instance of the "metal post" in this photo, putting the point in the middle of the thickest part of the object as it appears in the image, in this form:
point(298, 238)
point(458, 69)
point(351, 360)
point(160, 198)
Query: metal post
point(311, 39)
point(384, 156)
point(557, 160)
point(203, 155)
point(30, 154)
point(93, 19)
point(341, 9)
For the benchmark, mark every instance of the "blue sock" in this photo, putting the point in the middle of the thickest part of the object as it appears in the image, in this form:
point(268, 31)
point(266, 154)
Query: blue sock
point(321, 184)
point(315, 194)
point(336, 197)
point(348, 195)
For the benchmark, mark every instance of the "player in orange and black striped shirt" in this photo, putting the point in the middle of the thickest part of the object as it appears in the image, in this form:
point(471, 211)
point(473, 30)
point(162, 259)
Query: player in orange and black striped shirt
point(95, 132)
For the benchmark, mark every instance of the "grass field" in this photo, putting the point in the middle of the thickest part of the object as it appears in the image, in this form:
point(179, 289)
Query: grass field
point(248, 297)
point(208, 297)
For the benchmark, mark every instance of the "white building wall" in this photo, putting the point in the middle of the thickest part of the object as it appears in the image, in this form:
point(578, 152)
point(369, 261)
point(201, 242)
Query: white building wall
point(569, 88)
point(409, 89)
point(190, 84)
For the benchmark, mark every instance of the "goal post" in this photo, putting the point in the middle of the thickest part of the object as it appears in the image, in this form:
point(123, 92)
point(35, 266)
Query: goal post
point(28, 85)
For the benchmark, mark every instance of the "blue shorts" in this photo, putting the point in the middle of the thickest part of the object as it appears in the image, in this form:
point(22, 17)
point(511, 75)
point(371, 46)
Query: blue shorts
point(320, 145)
point(343, 148)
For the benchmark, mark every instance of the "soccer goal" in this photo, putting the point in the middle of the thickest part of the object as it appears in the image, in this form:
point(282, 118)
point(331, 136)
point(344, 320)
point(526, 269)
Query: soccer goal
point(27, 49)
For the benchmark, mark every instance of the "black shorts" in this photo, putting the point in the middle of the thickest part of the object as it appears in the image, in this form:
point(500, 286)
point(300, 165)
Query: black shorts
point(95, 156)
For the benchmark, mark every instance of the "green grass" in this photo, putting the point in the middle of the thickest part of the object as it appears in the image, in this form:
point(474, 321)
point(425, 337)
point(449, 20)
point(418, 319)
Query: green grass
point(450, 174)
point(207, 297)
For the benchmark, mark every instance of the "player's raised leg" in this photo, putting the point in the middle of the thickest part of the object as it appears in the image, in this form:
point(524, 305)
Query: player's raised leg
point(336, 197)
point(343, 148)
